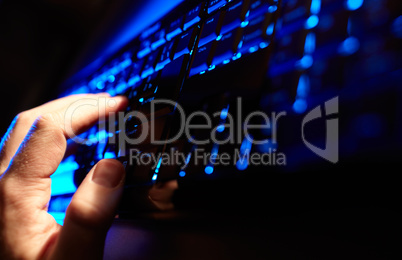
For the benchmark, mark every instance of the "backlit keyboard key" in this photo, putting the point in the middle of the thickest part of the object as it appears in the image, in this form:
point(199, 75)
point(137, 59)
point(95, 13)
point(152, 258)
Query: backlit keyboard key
point(294, 10)
point(136, 68)
point(234, 16)
point(226, 47)
point(259, 7)
point(149, 66)
point(194, 16)
point(145, 48)
point(215, 4)
point(158, 39)
point(175, 28)
point(211, 29)
point(258, 31)
point(202, 59)
point(185, 43)
point(166, 55)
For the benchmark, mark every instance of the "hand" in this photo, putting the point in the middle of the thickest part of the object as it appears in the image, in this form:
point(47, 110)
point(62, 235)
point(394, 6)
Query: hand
point(30, 153)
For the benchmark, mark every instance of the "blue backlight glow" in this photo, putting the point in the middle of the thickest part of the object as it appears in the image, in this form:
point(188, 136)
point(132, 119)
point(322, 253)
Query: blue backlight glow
point(220, 128)
point(349, 46)
point(312, 22)
point(224, 113)
point(303, 87)
point(315, 6)
point(305, 62)
point(300, 106)
point(209, 170)
point(242, 164)
point(309, 46)
point(182, 174)
point(354, 4)
point(272, 8)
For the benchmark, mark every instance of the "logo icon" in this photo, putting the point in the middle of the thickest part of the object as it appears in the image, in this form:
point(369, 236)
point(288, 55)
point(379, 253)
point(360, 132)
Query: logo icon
point(331, 151)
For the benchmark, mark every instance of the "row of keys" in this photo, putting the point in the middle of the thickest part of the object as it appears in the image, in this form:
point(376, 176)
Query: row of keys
point(231, 45)
point(235, 15)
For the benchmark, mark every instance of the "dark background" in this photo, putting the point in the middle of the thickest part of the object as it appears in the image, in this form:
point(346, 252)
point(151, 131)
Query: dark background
point(38, 43)
point(42, 42)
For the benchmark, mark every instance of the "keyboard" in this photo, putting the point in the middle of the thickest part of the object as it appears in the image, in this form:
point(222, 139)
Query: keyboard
point(233, 96)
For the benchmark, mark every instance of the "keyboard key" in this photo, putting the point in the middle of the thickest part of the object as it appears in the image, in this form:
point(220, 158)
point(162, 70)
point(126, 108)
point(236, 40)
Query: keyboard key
point(149, 66)
point(164, 85)
point(158, 39)
point(185, 43)
point(175, 28)
point(226, 47)
point(202, 59)
point(211, 29)
point(258, 32)
point(215, 4)
point(294, 10)
point(135, 73)
point(166, 55)
point(194, 16)
point(259, 7)
point(234, 16)
point(145, 48)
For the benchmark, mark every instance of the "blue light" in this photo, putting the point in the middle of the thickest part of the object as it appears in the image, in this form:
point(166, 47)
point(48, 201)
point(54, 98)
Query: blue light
point(253, 49)
point(202, 72)
point(158, 166)
point(264, 45)
point(315, 6)
point(100, 85)
point(354, 4)
point(237, 56)
point(305, 62)
point(303, 87)
point(209, 170)
point(182, 174)
point(349, 46)
point(110, 155)
point(242, 164)
point(63, 181)
point(309, 46)
point(155, 177)
point(224, 113)
point(272, 8)
point(244, 24)
point(246, 146)
point(300, 106)
point(226, 61)
point(311, 22)
point(111, 78)
point(211, 68)
point(270, 29)
point(220, 128)
point(219, 38)
point(141, 100)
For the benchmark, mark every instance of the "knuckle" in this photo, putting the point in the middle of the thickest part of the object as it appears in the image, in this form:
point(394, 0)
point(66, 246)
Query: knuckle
point(24, 118)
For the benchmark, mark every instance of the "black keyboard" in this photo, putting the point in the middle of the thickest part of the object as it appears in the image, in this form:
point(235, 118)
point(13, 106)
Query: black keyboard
point(225, 60)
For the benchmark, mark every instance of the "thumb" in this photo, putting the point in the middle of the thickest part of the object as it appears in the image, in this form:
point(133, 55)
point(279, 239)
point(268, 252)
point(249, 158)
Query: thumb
point(91, 213)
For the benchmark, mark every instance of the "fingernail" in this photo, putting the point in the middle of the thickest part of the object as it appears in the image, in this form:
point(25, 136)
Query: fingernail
point(108, 174)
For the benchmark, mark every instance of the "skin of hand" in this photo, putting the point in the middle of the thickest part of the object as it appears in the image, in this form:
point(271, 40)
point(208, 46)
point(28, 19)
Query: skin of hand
point(31, 151)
